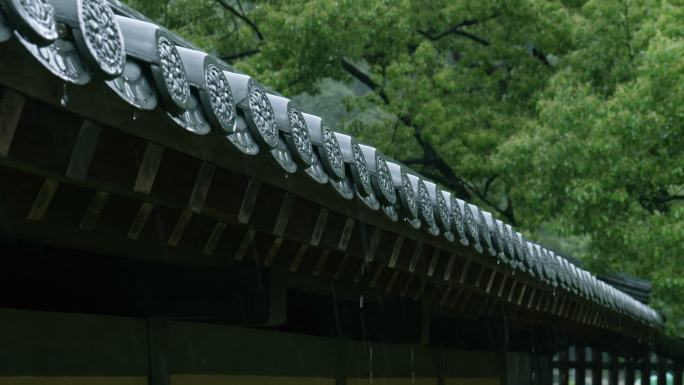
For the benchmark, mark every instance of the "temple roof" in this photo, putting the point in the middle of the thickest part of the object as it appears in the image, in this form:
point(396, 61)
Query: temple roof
point(113, 66)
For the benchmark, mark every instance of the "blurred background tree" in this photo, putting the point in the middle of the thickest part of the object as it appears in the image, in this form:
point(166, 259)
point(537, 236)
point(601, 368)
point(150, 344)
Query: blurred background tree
point(564, 118)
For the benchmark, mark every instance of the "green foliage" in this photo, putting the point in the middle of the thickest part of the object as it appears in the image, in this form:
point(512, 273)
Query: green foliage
point(562, 117)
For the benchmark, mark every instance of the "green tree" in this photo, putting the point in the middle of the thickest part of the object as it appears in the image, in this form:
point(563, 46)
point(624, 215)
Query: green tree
point(564, 116)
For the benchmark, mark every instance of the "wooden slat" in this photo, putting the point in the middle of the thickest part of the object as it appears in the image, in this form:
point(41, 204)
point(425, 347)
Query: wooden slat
point(140, 220)
point(433, 261)
point(11, 106)
point(93, 211)
point(273, 251)
point(299, 257)
point(248, 200)
point(244, 245)
point(346, 234)
point(284, 214)
point(417, 252)
point(43, 200)
point(214, 238)
point(396, 249)
point(373, 245)
point(179, 229)
point(149, 167)
point(342, 265)
point(322, 260)
point(319, 227)
point(450, 267)
point(201, 187)
point(84, 149)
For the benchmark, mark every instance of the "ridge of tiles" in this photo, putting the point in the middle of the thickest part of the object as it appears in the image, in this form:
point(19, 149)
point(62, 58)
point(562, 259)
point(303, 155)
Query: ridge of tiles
point(82, 41)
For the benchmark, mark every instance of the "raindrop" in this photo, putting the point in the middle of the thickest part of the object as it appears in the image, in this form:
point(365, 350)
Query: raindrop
point(65, 98)
point(370, 364)
point(135, 116)
point(361, 302)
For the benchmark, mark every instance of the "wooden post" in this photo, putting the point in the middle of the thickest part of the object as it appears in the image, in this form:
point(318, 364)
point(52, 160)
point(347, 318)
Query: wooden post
point(544, 371)
point(646, 370)
point(614, 370)
point(677, 374)
point(597, 356)
point(580, 365)
point(629, 372)
point(662, 371)
point(563, 367)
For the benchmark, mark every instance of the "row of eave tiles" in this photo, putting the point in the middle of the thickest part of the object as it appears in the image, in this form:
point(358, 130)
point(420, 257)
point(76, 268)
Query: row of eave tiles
point(149, 67)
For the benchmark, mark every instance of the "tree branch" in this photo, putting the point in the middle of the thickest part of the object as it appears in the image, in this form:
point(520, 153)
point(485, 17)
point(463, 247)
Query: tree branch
point(242, 17)
point(451, 30)
point(240, 55)
point(365, 79)
point(457, 30)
